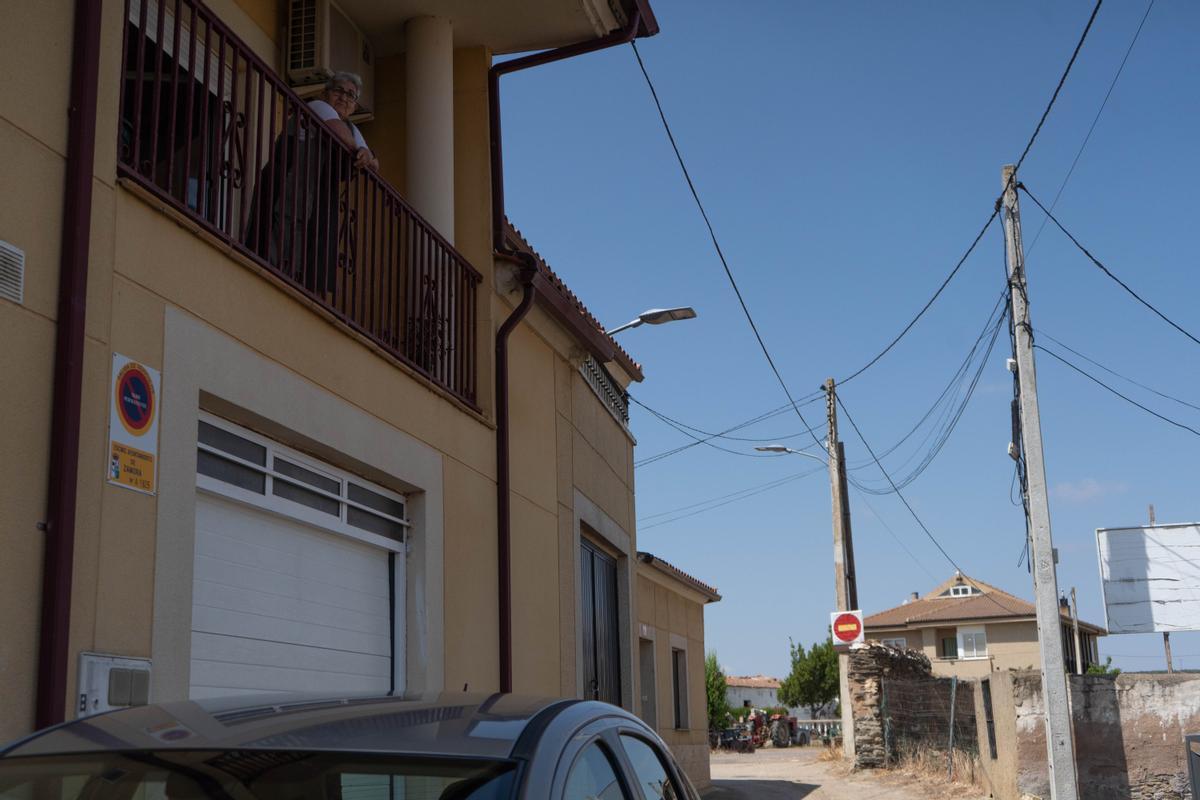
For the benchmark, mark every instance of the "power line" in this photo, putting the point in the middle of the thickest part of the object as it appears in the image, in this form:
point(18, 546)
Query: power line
point(759, 490)
point(689, 506)
point(1042, 333)
point(951, 413)
point(717, 245)
point(903, 546)
point(928, 303)
point(932, 538)
point(706, 442)
point(1105, 269)
point(1114, 391)
point(711, 435)
point(806, 400)
point(1095, 120)
point(996, 207)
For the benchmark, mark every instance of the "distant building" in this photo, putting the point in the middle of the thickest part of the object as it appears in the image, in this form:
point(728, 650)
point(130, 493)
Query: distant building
point(761, 691)
point(969, 629)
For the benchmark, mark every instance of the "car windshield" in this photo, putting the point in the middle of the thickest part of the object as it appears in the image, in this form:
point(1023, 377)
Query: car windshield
point(251, 775)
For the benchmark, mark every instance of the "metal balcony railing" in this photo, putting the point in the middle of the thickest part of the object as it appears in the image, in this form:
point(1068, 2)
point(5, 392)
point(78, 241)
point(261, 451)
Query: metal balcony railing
point(208, 128)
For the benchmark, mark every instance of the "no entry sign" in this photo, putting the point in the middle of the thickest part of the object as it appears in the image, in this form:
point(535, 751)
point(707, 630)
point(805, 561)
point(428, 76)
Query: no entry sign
point(847, 627)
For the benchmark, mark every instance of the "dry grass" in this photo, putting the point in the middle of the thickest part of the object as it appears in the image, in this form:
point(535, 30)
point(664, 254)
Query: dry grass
point(830, 754)
point(930, 767)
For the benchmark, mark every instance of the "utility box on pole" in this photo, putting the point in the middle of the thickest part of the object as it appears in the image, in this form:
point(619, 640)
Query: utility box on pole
point(1059, 739)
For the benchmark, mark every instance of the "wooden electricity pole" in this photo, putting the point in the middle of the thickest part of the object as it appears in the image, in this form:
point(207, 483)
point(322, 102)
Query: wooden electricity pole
point(1059, 739)
point(843, 558)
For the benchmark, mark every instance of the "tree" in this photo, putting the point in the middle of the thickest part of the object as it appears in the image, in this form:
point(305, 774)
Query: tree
point(1104, 669)
point(813, 680)
point(714, 692)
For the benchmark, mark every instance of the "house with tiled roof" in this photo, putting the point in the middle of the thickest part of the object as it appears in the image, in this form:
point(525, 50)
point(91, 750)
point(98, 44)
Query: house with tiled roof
point(969, 629)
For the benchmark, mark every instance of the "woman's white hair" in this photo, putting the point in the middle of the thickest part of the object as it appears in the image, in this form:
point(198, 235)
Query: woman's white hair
point(344, 77)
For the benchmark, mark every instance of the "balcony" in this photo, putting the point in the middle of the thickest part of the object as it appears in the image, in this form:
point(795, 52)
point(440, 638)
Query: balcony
point(210, 130)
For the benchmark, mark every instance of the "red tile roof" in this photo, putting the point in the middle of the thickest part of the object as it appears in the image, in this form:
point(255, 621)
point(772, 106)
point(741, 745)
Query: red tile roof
point(752, 681)
point(615, 352)
point(931, 609)
point(681, 576)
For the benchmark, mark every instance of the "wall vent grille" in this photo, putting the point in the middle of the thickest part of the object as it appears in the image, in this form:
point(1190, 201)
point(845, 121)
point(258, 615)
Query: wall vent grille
point(12, 273)
point(302, 35)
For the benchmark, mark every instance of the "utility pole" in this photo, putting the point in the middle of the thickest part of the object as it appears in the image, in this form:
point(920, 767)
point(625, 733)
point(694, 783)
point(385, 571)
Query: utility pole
point(1060, 744)
point(1166, 634)
point(1075, 633)
point(843, 558)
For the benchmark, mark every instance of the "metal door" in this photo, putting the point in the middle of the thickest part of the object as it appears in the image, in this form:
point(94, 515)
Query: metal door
point(600, 634)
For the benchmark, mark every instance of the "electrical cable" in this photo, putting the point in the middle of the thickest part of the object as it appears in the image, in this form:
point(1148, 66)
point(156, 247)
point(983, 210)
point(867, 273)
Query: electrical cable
point(736, 494)
point(1095, 120)
point(1042, 333)
point(863, 439)
point(996, 209)
point(711, 435)
point(765, 488)
point(717, 245)
point(1114, 391)
point(705, 442)
point(806, 400)
point(951, 414)
point(1105, 269)
point(900, 542)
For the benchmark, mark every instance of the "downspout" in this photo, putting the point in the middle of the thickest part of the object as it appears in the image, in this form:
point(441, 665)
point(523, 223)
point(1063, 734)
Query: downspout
point(59, 526)
point(527, 270)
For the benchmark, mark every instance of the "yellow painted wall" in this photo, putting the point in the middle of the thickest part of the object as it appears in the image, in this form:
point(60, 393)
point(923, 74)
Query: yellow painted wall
point(669, 607)
point(143, 262)
point(1010, 645)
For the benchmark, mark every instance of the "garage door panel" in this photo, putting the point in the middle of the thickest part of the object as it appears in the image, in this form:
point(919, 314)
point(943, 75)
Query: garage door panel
point(273, 546)
point(232, 650)
point(219, 678)
point(350, 610)
point(268, 629)
point(280, 605)
point(367, 595)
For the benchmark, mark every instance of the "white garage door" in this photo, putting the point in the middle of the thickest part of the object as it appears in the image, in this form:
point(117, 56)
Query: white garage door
point(278, 603)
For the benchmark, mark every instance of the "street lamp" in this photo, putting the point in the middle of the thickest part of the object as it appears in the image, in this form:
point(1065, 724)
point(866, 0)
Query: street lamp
point(656, 316)
point(778, 448)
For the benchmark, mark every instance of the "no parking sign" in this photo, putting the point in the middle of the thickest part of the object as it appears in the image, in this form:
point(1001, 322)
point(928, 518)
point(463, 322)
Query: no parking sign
point(133, 425)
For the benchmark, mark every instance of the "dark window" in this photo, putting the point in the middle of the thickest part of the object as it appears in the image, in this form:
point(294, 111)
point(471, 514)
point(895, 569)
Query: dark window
point(949, 647)
point(986, 686)
point(601, 630)
point(299, 494)
point(592, 777)
point(679, 686)
point(648, 770)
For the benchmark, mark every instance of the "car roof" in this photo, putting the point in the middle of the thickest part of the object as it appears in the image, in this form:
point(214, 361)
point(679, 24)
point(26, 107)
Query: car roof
point(449, 724)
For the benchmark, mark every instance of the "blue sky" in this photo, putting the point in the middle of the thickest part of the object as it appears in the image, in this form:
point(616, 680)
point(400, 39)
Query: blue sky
point(847, 154)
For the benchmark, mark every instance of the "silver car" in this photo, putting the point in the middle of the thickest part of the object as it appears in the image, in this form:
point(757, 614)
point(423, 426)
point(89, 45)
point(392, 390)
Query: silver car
point(451, 747)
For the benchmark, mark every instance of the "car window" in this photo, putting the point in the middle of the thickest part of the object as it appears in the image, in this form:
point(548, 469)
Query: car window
point(593, 777)
point(649, 770)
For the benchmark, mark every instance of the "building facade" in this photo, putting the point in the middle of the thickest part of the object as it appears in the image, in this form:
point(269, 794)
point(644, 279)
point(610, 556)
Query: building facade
point(670, 656)
point(287, 422)
point(969, 629)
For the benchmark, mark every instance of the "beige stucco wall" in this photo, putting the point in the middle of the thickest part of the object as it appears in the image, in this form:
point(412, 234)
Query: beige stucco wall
point(671, 614)
point(144, 265)
point(1010, 645)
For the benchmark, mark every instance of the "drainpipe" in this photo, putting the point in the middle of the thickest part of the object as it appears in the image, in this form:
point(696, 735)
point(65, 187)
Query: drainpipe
point(59, 526)
point(527, 270)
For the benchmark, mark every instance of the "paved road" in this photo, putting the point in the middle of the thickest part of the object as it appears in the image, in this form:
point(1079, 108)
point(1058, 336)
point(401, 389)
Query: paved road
point(798, 772)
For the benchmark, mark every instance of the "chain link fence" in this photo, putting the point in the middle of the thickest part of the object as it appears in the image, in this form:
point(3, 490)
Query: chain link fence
point(929, 719)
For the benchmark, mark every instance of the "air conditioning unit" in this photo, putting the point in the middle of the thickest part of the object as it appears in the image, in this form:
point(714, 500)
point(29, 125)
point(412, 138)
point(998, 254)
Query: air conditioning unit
point(322, 40)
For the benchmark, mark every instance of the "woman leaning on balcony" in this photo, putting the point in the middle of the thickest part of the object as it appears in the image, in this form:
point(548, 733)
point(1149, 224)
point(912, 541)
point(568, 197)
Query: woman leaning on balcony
point(295, 219)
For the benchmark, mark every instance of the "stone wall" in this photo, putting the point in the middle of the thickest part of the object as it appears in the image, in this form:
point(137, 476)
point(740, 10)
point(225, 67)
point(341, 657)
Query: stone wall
point(871, 664)
point(1128, 736)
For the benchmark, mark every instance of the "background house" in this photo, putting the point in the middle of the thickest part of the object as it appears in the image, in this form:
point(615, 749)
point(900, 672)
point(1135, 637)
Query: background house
point(969, 629)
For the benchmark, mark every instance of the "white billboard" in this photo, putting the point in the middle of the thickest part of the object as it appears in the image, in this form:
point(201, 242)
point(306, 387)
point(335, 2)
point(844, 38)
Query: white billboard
point(1150, 577)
